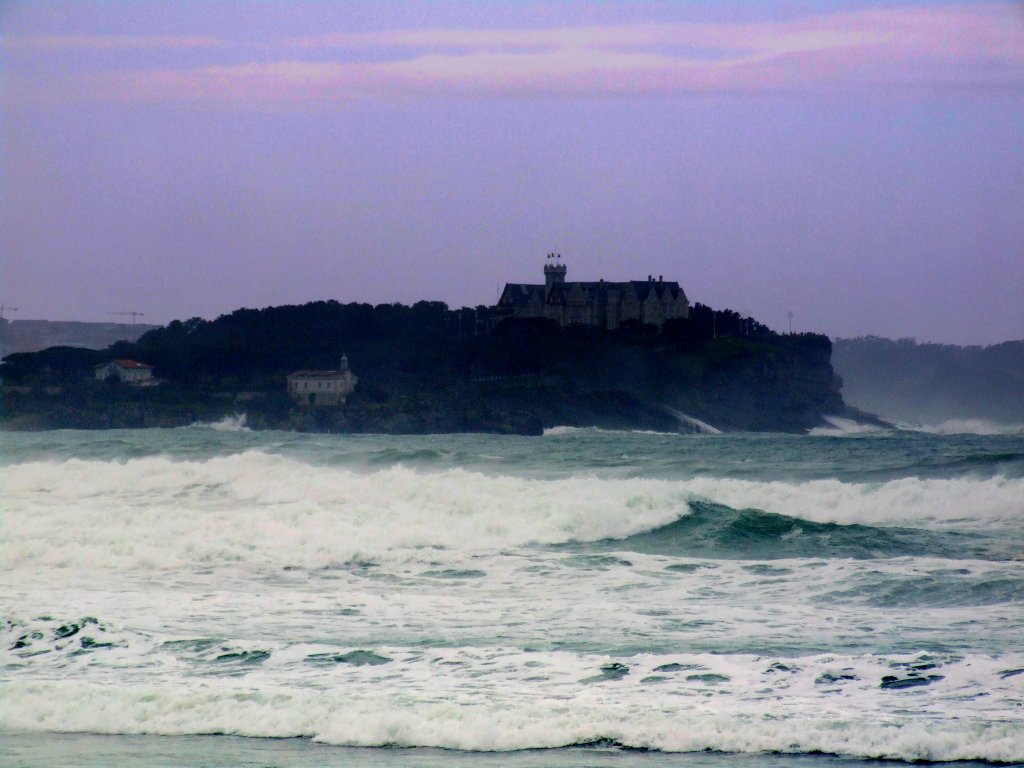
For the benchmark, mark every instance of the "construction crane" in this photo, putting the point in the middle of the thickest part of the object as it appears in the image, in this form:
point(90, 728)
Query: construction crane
point(134, 315)
point(6, 308)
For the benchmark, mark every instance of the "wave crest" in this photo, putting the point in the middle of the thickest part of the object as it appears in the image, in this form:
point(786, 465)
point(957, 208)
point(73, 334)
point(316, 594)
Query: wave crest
point(270, 510)
point(469, 723)
point(236, 423)
point(972, 427)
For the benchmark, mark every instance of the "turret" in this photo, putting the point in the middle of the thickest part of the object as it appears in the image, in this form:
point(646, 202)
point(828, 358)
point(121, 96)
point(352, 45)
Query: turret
point(553, 273)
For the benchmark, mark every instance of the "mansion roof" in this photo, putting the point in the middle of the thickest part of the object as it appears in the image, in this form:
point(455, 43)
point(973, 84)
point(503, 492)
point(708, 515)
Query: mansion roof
point(593, 292)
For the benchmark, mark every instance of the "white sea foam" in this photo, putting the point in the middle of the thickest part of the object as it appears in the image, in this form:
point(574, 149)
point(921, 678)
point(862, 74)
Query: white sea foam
point(841, 427)
point(272, 510)
point(234, 423)
point(256, 507)
point(481, 641)
point(497, 699)
point(971, 427)
point(563, 431)
point(539, 600)
point(559, 431)
point(908, 501)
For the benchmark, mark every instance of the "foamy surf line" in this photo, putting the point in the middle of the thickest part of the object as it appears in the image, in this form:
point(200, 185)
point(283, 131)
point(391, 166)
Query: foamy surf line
point(839, 426)
point(596, 431)
point(236, 423)
point(261, 508)
point(460, 723)
point(842, 427)
point(970, 427)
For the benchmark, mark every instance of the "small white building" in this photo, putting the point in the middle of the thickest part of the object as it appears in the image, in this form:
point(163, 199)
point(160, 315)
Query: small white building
point(322, 387)
point(128, 371)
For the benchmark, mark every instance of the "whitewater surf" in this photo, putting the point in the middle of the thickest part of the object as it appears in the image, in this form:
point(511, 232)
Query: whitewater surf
point(588, 593)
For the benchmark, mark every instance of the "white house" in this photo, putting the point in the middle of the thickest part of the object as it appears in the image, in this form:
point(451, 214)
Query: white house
point(322, 387)
point(128, 371)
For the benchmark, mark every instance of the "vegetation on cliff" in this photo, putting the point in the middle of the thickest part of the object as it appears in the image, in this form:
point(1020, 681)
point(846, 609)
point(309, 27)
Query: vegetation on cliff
point(427, 368)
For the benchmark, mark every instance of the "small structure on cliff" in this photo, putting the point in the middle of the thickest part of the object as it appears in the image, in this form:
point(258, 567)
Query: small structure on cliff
point(322, 387)
point(127, 371)
point(600, 304)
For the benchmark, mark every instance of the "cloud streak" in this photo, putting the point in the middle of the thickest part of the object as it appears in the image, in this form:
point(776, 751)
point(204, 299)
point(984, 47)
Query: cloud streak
point(964, 47)
point(986, 29)
point(47, 43)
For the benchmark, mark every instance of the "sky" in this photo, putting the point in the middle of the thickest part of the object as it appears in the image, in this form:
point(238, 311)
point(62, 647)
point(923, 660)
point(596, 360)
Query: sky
point(860, 165)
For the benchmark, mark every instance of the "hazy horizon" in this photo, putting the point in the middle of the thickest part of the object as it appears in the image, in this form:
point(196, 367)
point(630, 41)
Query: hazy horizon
point(861, 165)
point(143, 323)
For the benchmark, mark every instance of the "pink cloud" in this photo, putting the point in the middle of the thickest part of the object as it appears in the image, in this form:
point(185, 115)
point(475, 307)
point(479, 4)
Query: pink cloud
point(994, 28)
point(953, 46)
point(724, 37)
point(568, 71)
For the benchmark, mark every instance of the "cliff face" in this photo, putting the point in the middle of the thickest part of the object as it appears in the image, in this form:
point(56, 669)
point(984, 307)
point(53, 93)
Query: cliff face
point(757, 386)
point(525, 379)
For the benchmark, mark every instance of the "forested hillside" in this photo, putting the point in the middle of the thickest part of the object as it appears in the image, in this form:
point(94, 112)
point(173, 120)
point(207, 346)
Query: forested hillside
point(427, 368)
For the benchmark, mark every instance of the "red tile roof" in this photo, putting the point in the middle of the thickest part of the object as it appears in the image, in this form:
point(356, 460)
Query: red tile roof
point(127, 364)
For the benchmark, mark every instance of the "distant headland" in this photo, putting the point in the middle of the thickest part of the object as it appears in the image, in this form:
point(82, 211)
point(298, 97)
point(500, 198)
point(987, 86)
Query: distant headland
point(622, 355)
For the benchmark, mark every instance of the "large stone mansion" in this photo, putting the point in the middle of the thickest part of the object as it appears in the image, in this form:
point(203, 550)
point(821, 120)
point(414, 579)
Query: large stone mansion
point(601, 304)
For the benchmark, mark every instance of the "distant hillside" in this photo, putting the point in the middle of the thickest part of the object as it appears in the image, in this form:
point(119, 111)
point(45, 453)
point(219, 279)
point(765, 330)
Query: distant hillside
point(34, 335)
point(932, 383)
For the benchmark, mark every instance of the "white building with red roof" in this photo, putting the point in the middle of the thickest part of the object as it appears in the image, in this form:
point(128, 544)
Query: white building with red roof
point(128, 371)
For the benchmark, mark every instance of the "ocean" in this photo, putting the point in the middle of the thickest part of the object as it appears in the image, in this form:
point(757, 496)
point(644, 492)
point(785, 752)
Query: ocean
point(217, 596)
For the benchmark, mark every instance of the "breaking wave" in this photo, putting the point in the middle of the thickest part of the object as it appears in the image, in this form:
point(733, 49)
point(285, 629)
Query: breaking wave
point(271, 510)
point(234, 423)
point(807, 721)
point(563, 431)
point(971, 427)
point(505, 698)
point(840, 426)
point(715, 530)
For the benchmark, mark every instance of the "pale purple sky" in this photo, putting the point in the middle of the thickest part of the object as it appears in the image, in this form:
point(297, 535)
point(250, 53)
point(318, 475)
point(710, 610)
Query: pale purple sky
point(861, 164)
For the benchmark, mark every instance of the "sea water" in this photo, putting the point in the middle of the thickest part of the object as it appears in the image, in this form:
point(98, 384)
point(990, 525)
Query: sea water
point(216, 596)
